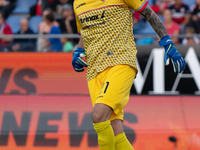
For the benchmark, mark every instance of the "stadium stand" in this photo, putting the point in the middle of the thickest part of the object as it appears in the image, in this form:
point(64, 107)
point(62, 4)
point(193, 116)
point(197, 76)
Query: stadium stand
point(138, 27)
point(23, 6)
point(145, 41)
point(147, 29)
point(151, 2)
point(34, 23)
point(161, 18)
point(13, 21)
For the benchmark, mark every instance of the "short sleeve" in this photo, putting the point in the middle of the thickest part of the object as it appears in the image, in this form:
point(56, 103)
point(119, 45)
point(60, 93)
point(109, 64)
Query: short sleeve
point(137, 5)
point(78, 24)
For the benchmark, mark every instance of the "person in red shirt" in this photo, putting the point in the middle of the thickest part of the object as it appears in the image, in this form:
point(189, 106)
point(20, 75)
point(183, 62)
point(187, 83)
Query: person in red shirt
point(4, 29)
point(172, 27)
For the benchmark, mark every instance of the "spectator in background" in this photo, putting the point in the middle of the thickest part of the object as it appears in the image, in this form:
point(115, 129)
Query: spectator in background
point(190, 40)
point(172, 27)
point(136, 17)
point(164, 4)
point(55, 43)
point(68, 23)
point(44, 28)
point(36, 10)
point(6, 6)
point(180, 13)
point(57, 7)
point(24, 44)
point(136, 24)
point(67, 45)
point(39, 7)
point(195, 19)
point(4, 29)
point(161, 5)
point(46, 4)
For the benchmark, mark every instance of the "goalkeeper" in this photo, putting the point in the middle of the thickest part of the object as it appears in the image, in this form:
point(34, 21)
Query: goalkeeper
point(107, 42)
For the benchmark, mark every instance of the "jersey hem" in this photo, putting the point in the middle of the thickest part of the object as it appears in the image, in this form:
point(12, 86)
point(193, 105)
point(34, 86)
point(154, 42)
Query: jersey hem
point(113, 66)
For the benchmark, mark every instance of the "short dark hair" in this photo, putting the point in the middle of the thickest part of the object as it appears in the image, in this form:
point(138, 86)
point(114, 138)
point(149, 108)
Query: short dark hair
point(190, 29)
point(49, 10)
point(50, 17)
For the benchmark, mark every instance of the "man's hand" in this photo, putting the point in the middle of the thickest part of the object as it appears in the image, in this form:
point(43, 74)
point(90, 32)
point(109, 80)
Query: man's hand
point(77, 61)
point(171, 52)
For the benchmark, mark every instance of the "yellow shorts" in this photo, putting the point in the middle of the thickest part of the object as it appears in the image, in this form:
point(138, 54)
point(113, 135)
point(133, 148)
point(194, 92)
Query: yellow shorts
point(112, 87)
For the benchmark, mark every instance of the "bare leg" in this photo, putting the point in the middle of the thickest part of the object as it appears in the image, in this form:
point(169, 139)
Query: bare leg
point(121, 142)
point(117, 126)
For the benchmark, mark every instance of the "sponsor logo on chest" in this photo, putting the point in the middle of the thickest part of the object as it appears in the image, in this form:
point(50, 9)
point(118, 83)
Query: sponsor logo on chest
point(92, 18)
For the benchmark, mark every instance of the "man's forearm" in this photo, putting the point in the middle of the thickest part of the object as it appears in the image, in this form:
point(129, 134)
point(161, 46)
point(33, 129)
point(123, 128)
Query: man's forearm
point(80, 44)
point(155, 21)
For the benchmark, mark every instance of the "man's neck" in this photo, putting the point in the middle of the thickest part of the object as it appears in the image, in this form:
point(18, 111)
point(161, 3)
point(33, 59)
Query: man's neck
point(177, 5)
point(22, 32)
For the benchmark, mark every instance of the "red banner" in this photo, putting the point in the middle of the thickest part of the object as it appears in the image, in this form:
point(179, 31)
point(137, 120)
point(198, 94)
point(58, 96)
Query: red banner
point(40, 73)
point(64, 122)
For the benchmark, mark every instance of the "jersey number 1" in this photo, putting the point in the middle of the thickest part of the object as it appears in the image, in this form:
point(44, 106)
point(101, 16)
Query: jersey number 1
point(107, 83)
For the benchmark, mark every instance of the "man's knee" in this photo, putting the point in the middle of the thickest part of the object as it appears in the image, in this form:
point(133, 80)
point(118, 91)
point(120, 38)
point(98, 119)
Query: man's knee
point(100, 113)
point(96, 117)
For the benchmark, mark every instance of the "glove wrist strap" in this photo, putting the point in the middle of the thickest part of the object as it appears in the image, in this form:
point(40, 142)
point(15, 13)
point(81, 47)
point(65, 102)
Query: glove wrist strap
point(166, 40)
point(78, 49)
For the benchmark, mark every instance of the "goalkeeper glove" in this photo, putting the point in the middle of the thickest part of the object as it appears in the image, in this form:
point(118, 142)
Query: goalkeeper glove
point(77, 61)
point(171, 52)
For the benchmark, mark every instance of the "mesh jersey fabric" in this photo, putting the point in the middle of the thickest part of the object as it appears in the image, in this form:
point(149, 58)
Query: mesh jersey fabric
point(106, 29)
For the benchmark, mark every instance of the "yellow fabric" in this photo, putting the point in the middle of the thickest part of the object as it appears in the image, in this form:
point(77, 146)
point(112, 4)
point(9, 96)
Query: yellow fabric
point(106, 29)
point(106, 138)
point(122, 143)
point(135, 4)
point(112, 87)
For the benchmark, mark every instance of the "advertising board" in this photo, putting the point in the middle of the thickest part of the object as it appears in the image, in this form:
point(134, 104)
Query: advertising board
point(52, 73)
point(30, 122)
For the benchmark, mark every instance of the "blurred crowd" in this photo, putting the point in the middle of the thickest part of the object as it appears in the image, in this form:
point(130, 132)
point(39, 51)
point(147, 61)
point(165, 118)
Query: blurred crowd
point(57, 17)
point(178, 17)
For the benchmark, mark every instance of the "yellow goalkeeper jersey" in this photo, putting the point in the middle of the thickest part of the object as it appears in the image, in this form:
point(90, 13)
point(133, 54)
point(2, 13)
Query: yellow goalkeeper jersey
point(106, 29)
